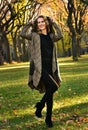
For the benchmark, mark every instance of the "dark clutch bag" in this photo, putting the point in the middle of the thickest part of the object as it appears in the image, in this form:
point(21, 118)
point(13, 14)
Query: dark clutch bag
point(57, 79)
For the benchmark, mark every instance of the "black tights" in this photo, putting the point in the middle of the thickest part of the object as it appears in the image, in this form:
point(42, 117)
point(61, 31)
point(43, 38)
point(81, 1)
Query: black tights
point(50, 87)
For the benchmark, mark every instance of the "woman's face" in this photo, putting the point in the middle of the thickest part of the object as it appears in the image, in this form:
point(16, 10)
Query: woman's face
point(41, 24)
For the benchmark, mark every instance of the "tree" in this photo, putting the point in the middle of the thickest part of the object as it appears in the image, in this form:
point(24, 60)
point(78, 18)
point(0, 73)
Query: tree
point(76, 10)
point(4, 7)
point(1, 51)
point(85, 1)
point(25, 12)
point(55, 10)
point(13, 15)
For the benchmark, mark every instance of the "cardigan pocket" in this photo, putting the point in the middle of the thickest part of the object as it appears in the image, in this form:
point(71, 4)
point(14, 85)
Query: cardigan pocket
point(32, 67)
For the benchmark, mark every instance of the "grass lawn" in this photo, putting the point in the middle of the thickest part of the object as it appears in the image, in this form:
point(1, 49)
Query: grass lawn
point(17, 100)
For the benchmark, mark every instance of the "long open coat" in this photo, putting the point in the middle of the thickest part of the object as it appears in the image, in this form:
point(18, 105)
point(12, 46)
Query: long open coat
point(34, 80)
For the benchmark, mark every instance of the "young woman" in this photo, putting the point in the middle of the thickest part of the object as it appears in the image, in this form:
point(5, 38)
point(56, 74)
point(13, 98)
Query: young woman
point(44, 72)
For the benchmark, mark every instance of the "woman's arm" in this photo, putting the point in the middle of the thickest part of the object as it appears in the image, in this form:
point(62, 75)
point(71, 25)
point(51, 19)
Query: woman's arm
point(24, 32)
point(58, 34)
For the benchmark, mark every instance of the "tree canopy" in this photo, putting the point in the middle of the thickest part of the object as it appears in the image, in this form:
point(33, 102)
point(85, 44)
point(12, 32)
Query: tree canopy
point(85, 1)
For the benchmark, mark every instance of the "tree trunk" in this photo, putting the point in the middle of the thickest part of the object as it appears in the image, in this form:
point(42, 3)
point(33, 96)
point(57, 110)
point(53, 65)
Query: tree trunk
point(25, 56)
point(5, 41)
point(78, 46)
point(72, 30)
point(7, 49)
point(64, 53)
point(15, 57)
point(1, 58)
point(74, 47)
point(74, 43)
point(1, 51)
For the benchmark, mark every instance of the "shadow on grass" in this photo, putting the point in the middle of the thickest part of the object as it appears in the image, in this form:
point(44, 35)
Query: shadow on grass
point(81, 109)
point(25, 122)
point(60, 117)
point(75, 114)
point(14, 74)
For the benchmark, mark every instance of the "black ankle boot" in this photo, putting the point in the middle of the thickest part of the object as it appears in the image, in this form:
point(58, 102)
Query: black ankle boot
point(39, 108)
point(49, 122)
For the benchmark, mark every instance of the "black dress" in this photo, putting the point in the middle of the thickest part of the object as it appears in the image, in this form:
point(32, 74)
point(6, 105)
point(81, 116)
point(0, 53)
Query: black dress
point(50, 85)
point(46, 52)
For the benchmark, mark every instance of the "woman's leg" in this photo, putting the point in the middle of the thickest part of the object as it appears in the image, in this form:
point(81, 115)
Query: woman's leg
point(49, 104)
point(51, 87)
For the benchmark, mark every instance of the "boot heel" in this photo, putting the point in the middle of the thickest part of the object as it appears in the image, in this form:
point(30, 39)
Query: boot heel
point(49, 122)
point(38, 110)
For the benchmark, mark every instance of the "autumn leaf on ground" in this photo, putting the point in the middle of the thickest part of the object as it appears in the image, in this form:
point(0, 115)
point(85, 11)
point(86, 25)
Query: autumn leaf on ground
point(4, 121)
point(15, 112)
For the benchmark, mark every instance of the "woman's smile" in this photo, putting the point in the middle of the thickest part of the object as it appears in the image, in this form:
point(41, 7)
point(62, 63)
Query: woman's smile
point(41, 24)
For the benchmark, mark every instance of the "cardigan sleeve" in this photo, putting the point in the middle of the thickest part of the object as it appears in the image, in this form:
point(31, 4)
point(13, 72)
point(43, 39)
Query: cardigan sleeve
point(58, 34)
point(26, 32)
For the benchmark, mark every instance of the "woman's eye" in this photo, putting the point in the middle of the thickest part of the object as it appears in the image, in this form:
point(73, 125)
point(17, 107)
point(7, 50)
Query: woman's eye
point(41, 22)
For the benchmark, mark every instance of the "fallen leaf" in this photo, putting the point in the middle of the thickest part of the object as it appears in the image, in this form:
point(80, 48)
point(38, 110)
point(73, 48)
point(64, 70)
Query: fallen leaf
point(15, 112)
point(69, 122)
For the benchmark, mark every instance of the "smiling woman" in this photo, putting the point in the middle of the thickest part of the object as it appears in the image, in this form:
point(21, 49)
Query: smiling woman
point(42, 25)
point(44, 72)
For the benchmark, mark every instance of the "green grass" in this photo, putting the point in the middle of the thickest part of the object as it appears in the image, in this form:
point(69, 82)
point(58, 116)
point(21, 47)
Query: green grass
point(17, 100)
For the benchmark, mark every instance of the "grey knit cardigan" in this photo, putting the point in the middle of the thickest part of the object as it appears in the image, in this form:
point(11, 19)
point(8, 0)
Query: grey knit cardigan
point(34, 80)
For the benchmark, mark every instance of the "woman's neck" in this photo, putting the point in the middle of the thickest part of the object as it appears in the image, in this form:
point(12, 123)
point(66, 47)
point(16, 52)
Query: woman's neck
point(44, 31)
